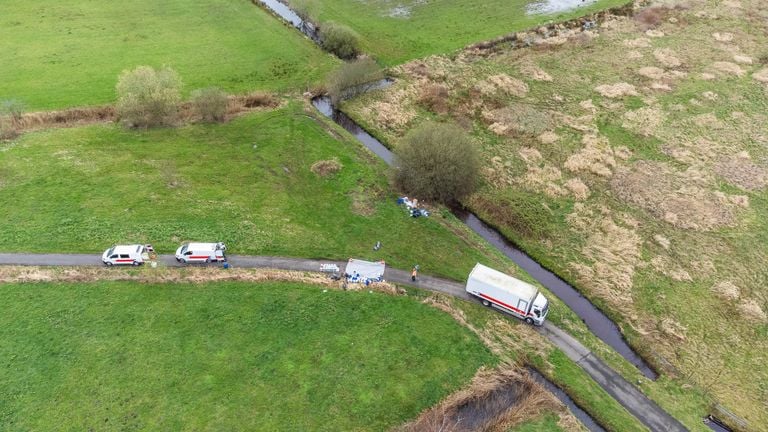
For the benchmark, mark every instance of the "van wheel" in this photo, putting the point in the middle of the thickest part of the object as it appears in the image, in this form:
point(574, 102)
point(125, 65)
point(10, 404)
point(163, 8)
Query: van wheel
point(207, 260)
point(486, 303)
point(529, 321)
point(109, 264)
point(136, 263)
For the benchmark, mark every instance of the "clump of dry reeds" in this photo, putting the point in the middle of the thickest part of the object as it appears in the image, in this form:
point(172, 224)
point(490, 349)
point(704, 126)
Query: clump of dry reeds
point(324, 168)
point(495, 400)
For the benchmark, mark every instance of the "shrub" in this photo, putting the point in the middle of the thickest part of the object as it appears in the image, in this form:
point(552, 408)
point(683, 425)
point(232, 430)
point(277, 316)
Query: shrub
point(340, 40)
point(434, 97)
point(651, 17)
point(325, 168)
point(437, 162)
point(353, 78)
point(211, 103)
point(147, 97)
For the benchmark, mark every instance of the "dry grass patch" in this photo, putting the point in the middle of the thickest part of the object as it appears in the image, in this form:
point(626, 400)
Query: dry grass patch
point(596, 157)
point(613, 252)
point(326, 168)
point(618, 90)
point(741, 171)
point(675, 197)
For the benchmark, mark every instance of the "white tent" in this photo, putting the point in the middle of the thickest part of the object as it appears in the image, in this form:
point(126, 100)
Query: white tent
point(364, 271)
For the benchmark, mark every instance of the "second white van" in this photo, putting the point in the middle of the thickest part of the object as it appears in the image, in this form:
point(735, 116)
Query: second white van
point(201, 252)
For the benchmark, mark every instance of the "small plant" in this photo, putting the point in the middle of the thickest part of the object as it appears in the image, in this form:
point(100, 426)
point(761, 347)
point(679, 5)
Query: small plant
point(211, 103)
point(305, 9)
point(434, 97)
point(11, 112)
point(340, 40)
point(437, 162)
point(147, 97)
point(353, 78)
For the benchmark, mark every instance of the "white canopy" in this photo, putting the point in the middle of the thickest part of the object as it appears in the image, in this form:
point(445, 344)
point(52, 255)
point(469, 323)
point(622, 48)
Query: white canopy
point(359, 270)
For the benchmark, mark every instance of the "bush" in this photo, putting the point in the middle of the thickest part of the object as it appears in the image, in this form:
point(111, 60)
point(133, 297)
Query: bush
point(339, 40)
point(434, 97)
point(147, 97)
point(353, 78)
point(211, 103)
point(437, 162)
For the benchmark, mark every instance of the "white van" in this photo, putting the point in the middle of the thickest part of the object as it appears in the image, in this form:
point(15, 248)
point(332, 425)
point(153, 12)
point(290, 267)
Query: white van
point(511, 295)
point(125, 255)
point(201, 252)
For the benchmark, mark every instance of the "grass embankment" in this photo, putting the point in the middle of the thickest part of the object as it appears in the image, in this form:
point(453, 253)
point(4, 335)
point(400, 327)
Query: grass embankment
point(633, 164)
point(248, 183)
point(63, 54)
point(223, 356)
point(395, 32)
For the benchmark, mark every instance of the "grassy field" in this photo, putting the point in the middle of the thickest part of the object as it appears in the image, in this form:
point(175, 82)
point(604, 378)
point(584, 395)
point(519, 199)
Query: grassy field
point(635, 165)
point(223, 356)
point(62, 54)
point(248, 183)
point(395, 32)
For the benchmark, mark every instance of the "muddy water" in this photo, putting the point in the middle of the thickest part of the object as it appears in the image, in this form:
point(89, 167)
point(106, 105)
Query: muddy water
point(715, 425)
point(286, 13)
point(579, 413)
point(596, 321)
point(476, 413)
point(323, 104)
point(546, 7)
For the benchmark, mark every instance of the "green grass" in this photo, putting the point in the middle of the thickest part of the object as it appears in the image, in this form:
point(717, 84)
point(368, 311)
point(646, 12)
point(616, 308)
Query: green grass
point(61, 54)
point(435, 27)
point(247, 183)
point(548, 423)
point(225, 356)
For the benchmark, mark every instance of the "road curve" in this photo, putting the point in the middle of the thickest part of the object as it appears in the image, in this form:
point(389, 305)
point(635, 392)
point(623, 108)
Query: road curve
point(614, 384)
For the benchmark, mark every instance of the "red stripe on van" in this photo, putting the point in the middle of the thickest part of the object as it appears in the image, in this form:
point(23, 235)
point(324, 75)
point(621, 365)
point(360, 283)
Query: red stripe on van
point(123, 260)
point(521, 312)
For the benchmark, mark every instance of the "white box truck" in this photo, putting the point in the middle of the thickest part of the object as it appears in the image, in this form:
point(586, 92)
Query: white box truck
point(496, 289)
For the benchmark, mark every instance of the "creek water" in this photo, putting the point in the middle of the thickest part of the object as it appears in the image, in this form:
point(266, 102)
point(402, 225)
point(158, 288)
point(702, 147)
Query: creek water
point(289, 15)
point(579, 413)
point(545, 7)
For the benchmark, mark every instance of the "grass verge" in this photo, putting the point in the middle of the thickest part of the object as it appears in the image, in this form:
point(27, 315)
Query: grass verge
point(223, 356)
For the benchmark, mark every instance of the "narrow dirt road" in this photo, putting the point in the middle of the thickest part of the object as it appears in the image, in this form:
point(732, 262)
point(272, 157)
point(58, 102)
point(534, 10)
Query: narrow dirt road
point(625, 393)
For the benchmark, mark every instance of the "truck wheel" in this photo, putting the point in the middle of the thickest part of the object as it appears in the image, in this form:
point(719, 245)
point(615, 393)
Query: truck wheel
point(108, 264)
point(486, 303)
point(136, 263)
point(207, 260)
point(529, 321)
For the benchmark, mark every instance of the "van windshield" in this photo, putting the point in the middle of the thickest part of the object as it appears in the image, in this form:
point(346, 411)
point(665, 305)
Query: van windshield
point(109, 252)
point(184, 248)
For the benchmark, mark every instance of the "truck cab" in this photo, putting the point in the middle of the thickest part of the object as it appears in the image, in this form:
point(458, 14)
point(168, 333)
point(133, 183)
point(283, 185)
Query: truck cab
point(539, 310)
